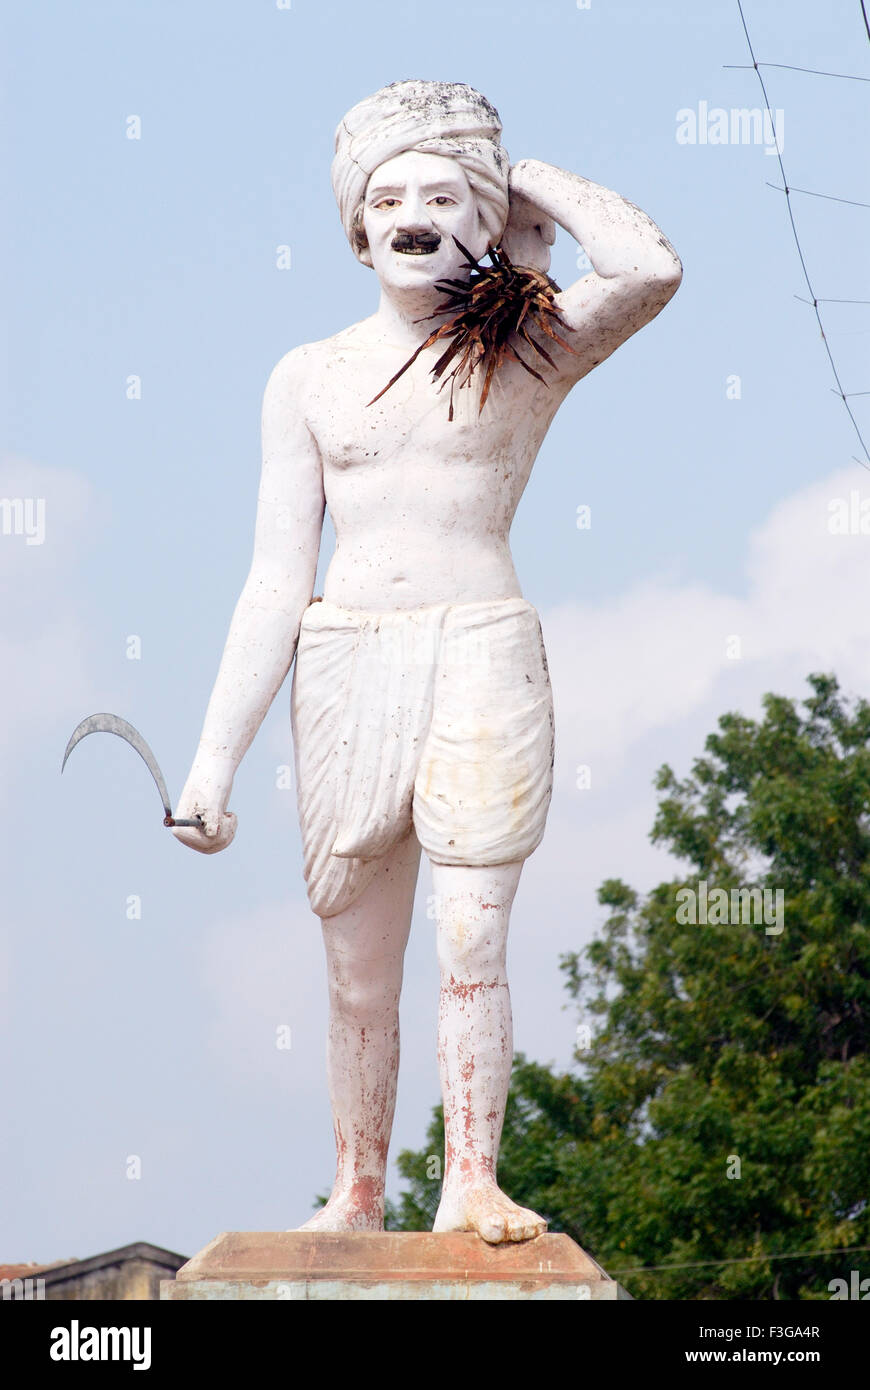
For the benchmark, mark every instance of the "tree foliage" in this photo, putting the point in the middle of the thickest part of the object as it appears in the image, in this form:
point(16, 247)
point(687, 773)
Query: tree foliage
point(720, 1115)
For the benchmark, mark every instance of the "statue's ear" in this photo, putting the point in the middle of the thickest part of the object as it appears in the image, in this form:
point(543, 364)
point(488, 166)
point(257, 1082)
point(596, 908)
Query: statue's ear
point(359, 240)
point(484, 239)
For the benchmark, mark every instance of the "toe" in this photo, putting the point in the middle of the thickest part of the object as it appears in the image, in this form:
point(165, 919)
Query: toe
point(527, 1225)
point(492, 1228)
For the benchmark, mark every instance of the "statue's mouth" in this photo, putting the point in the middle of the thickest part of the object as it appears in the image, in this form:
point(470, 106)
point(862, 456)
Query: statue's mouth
point(416, 244)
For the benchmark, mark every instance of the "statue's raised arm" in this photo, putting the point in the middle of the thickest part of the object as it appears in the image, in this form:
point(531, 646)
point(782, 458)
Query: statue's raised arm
point(635, 269)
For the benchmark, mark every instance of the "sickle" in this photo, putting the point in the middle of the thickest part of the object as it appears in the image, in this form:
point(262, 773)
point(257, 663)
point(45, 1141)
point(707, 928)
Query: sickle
point(114, 724)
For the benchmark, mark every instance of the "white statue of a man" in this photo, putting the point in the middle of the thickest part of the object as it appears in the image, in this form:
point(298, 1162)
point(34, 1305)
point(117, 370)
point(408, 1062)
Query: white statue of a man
point(421, 705)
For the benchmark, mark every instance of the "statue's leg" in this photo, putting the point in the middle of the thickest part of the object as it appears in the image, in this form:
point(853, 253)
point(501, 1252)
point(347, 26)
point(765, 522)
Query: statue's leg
point(365, 947)
point(475, 1048)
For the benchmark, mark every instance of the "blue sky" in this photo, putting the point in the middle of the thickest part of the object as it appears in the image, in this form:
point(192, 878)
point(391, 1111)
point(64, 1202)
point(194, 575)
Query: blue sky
point(156, 257)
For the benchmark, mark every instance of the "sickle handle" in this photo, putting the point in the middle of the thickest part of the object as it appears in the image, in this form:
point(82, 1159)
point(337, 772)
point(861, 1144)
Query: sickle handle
point(197, 821)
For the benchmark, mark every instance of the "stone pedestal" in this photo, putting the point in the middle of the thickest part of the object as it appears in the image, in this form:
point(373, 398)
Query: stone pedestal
point(388, 1265)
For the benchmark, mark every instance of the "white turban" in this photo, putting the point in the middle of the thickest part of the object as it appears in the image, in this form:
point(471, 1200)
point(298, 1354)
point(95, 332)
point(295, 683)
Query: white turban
point(447, 118)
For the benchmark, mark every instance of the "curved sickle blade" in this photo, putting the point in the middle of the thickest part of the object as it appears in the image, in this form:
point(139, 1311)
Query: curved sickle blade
point(114, 724)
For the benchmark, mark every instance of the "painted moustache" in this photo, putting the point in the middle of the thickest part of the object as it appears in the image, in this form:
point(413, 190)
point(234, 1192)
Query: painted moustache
point(416, 243)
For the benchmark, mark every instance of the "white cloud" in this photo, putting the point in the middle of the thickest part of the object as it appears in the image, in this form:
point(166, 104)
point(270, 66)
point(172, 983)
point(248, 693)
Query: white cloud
point(69, 510)
point(649, 658)
point(44, 645)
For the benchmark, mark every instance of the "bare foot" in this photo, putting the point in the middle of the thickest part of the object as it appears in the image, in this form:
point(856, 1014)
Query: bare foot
point(485, 1209)
point(357, 1208)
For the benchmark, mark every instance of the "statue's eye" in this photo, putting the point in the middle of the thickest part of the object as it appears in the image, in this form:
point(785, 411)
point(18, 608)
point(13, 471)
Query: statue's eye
point(442, 199)
point(386, 202)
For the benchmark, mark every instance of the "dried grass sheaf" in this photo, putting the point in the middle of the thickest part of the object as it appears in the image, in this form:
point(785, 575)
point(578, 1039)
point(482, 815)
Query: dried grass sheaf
point(497, 303)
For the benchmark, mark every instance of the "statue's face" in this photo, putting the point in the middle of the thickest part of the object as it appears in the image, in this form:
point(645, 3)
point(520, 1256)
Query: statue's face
point(414, 206)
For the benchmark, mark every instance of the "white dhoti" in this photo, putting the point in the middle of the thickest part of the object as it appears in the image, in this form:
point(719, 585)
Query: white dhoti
point(436, 718)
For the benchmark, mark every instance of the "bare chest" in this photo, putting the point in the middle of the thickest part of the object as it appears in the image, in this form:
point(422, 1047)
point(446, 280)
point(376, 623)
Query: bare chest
point(411, 419)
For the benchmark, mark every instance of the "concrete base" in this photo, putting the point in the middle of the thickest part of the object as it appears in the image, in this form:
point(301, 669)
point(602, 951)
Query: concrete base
point(388, 1265)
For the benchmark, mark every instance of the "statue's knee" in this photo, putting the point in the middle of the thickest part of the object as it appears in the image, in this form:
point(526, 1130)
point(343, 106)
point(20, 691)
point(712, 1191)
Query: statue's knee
point(469, 948)
point(365, 1000)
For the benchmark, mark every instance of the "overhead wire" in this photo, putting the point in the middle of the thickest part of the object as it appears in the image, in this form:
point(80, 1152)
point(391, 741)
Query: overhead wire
point(815, 300)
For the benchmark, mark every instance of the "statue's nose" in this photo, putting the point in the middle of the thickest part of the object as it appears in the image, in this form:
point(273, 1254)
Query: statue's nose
point(414, 216)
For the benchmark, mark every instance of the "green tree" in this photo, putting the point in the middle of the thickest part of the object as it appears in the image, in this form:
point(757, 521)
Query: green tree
point(721, 1111)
